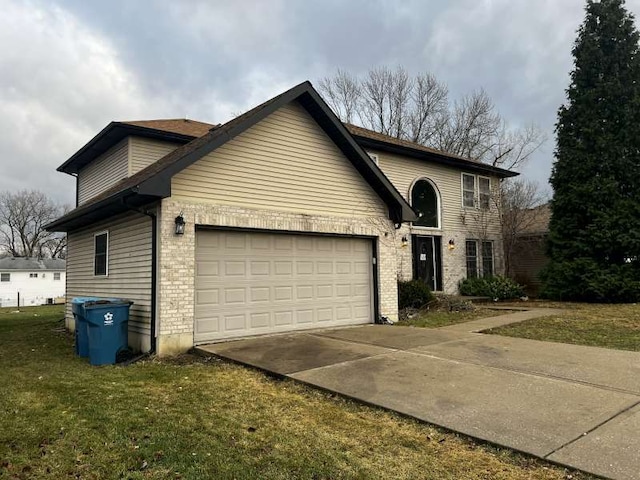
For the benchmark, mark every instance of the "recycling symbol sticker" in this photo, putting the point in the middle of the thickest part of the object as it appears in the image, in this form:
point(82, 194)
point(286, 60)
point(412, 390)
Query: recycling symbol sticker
point(108, 319)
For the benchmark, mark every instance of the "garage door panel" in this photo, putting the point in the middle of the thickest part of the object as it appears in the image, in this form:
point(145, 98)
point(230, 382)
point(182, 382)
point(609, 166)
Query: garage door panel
point(251, 283)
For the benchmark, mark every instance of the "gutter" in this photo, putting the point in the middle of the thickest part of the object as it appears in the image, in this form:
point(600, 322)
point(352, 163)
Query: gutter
point(154, 276)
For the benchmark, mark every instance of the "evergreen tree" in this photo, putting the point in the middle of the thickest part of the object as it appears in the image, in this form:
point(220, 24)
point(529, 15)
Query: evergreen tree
point(594, 232)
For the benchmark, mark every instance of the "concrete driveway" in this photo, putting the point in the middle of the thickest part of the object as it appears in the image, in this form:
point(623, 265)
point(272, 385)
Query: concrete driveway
point(578, 406)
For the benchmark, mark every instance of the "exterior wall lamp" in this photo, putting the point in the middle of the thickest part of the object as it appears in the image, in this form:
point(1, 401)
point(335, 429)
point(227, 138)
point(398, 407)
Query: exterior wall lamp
point(405, 241)
point(180, 223)
point(452, 244)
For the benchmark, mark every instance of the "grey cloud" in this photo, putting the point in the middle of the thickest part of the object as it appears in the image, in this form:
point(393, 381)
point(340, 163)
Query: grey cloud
point(81, 64)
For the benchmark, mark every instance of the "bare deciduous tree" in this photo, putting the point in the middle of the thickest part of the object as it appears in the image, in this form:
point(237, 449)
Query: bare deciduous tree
point(418, 109)
point(518, 213)
point(23, 216)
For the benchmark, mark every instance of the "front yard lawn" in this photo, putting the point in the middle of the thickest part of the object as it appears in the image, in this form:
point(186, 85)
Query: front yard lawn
point(189, 417)
point(442, 318)
point(608, 326)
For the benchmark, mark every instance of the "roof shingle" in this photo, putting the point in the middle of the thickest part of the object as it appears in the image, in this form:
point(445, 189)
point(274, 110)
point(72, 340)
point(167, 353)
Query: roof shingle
point(182, 126)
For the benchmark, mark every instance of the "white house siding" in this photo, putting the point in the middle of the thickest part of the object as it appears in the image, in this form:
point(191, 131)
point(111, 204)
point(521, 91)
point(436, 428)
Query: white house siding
point(457, 223)
point(129, 270)
point(145, 151)
point(32, 291)
point(104, 172)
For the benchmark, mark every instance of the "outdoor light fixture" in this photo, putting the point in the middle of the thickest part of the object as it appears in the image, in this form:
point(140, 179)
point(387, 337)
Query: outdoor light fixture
point(180, 224)
point(405, 241)
point(452, 244)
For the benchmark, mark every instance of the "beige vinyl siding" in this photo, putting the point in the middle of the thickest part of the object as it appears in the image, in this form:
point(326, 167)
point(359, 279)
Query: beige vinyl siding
point(145, 151)
point(103, 172)
point(129, 266)
point(285, 163)
point(404, 171)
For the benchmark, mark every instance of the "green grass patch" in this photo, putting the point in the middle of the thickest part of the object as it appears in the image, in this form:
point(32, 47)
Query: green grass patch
point(194, 418)
point(440, 318)
point(608, 326)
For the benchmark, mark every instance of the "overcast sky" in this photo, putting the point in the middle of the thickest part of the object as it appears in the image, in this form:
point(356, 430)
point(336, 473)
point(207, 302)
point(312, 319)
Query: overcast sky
point(68, 68)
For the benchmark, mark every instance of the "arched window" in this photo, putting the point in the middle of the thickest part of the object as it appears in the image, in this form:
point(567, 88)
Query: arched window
point(424, 200)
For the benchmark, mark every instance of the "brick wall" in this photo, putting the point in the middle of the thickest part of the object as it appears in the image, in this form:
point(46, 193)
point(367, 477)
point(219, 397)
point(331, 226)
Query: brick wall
point(176, 273)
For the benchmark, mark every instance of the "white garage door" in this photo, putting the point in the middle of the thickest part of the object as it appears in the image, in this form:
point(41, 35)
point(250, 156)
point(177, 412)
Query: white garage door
point(250, 283)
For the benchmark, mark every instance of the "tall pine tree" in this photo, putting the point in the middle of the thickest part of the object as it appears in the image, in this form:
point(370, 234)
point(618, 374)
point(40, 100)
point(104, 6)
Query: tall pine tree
point(594, 233)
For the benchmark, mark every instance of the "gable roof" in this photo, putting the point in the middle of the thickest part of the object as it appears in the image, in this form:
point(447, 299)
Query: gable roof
point(179, 131)
point(182, 126)
point(154, 181)
point(536, 221)
point(379, 141)
point(32, 264)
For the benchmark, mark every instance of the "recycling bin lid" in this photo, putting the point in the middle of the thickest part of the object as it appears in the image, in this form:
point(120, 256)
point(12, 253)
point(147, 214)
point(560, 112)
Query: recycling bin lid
point(78, 300)
point(97, 302)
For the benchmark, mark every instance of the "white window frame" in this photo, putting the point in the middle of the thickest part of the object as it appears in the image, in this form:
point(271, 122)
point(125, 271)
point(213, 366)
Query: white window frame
point(57, 276)
point(488, 207)
point(480, 273)
point(438, 204)
point(475, 190)
point(8, 278)
point(33, 275)
point(95, 236)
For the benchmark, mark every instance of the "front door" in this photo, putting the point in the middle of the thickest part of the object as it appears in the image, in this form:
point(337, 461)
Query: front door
point(427, 260)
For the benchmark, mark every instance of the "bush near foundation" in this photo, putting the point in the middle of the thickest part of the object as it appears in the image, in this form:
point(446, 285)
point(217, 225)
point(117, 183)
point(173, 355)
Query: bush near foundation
point(497, 288)
point(414, 294)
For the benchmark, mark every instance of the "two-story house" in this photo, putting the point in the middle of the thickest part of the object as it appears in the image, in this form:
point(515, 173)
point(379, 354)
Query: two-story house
point(26, 281)
point(281, 219)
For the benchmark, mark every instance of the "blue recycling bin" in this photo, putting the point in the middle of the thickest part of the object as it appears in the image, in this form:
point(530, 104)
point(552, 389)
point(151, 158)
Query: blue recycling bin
point(81, 330)
point(108, 328)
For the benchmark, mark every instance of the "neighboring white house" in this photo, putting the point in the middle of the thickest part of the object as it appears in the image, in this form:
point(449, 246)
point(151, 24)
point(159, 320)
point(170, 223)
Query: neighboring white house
point(31, 281)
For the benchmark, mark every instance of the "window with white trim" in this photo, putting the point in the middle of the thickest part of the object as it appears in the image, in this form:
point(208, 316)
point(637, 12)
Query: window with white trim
point(479, 258)
point(33, 275)
point(101, 254)
point(5, 277)
point(56, 275)
point(476, 191)
point(484, 192)
point(468, 190)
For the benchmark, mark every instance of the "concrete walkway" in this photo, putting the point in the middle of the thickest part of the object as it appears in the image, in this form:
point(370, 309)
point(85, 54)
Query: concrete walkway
point(578, 406)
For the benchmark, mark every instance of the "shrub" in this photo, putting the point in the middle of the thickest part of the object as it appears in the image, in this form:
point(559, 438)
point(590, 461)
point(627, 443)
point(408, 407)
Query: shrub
point(497, 288)
point(414, 294)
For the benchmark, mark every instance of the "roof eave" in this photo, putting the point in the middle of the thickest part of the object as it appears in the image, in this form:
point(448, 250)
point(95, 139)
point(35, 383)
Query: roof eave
point(109, 136)
point(120, 202)
point(469, 165)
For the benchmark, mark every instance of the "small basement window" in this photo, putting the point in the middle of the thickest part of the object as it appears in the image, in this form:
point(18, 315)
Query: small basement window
point(5, 277)
point(101, 254)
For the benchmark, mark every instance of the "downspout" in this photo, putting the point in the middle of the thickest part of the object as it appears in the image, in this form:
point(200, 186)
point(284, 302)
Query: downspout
point(154, 276)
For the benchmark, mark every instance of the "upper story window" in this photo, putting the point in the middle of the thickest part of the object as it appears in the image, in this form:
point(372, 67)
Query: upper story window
point(33, 275)
point(101, 254)
point(56, 275)
point(425, 201)
point(484, 192)
point(476, 191)
point(468, 190)
point(5, 277)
